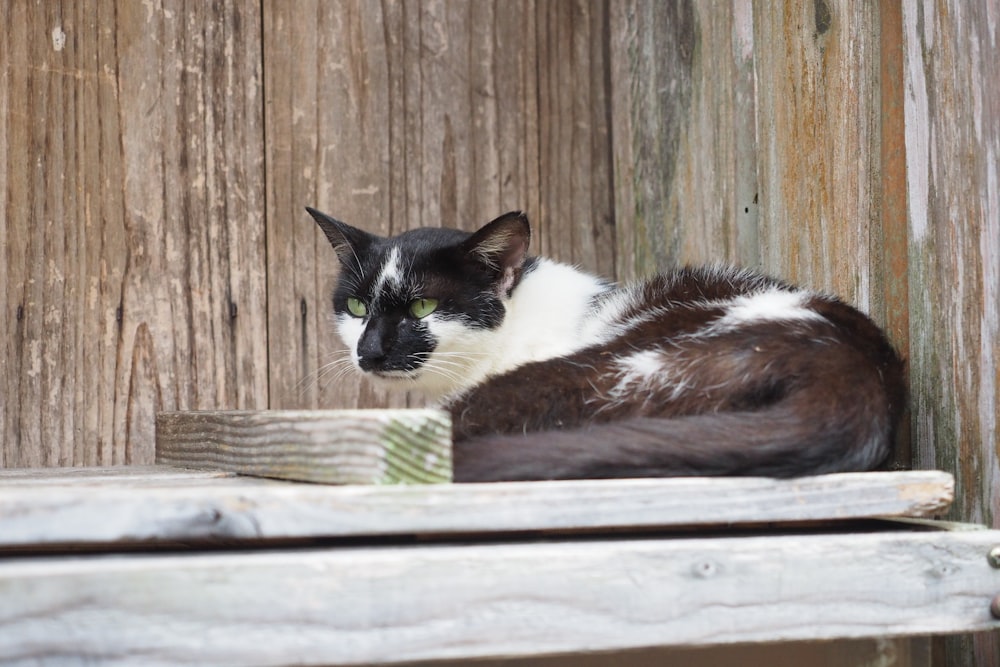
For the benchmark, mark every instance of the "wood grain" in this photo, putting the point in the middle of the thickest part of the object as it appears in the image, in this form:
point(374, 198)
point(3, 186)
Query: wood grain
point(328, 446)
point(952, 113)
point(165, 504)
point(752, 134)
point(817, 68)
point(683, 109)
point(575, 222)
point(133, 224)
point(369, 605)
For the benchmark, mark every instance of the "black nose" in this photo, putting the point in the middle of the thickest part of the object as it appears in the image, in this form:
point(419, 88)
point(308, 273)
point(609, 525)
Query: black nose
point(373, 347)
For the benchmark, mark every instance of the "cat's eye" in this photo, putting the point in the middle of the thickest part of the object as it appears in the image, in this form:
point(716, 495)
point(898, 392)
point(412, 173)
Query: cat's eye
point(356, 307)
point(421, 308)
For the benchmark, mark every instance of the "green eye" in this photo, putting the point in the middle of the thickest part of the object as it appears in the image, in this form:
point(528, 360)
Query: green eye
point(421, 308)
point(356, 307)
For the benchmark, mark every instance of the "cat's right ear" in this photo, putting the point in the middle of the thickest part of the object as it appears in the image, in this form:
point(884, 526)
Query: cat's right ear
point(349, 242)
point(502, 247)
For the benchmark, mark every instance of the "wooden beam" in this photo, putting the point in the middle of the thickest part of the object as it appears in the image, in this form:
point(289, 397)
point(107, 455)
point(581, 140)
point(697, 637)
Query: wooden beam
point(378, 605)
point(329, 446)
point(160, 504)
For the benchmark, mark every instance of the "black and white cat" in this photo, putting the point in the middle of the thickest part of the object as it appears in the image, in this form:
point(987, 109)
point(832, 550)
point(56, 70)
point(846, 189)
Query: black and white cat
point(552, 373)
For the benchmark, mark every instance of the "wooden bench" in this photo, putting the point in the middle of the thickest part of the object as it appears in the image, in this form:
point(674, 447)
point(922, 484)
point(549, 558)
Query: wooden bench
point(162, 565)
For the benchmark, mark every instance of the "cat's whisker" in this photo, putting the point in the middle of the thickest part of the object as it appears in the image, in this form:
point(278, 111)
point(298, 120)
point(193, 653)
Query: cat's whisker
point(333, 372)
point(338, 366)
point(449, 375)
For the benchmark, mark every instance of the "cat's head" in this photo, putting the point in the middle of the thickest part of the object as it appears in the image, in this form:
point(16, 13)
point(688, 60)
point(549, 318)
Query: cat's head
point(420, 307)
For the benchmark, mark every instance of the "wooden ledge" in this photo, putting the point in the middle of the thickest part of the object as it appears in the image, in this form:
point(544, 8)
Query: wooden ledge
point(51, 507)
point(485, 594)
point(382, 605)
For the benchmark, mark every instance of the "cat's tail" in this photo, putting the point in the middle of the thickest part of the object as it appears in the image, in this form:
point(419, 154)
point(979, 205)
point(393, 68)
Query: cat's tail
point(770, 442)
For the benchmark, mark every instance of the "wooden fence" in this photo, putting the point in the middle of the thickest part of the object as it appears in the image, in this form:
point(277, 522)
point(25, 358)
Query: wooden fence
point(155, 161)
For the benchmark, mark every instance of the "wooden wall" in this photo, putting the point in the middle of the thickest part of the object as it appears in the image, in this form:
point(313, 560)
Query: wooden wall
point(155, 159)
point(951, 70)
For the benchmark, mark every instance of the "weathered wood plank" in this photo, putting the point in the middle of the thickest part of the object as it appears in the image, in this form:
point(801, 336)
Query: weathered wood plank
point(385, 605)
point(193, 296)
point(151, 475)
point(389, 116)
point(575, 220)
point(176, 505)
point(683, 113)
point(952, 116)
point(818, 124)
point(133, 222)
point(329, 446)
point(752, 134)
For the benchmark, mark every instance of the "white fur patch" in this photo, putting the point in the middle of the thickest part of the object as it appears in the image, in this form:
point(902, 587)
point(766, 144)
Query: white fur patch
point(769, 305)
point(350, 329)
point(549, 314)
point(640, 370)
point(645, 372)
point(391, 272)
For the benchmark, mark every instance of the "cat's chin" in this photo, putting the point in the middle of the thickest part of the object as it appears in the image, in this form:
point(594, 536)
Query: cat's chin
point(425, 384)
point(394, 377)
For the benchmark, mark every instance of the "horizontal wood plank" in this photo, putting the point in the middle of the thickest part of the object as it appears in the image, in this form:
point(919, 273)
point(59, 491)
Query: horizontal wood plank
point(161, 503)
point(328, 446)
point(385, 605)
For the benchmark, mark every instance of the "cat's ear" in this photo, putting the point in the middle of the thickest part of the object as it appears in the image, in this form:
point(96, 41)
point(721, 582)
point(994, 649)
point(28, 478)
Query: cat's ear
point(349, 242)
point(502, 247)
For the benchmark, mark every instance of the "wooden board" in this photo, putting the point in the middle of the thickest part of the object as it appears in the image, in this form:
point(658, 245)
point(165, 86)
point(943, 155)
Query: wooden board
point(369, 605)
point(951, 73)
point(163, 504)
point(131, 223)
point(329, 446)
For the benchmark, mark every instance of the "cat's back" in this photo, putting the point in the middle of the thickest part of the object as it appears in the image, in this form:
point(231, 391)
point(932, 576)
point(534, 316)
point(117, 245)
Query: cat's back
point(689, 298)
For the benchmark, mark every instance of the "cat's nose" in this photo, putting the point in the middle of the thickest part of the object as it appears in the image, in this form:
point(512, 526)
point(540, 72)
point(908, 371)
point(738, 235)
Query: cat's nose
point(371, 363)
point(372, 349)
point(370, 356)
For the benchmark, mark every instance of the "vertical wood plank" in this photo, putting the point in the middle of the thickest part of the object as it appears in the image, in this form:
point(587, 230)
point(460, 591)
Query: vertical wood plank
point(193, 300)
point(652, 52)
point(8, 310)
point(817, 68)
point(892, 249)
point(133, 224)
point(952, 113)
point(52, 208)
point(575, 221)
point(683, 110)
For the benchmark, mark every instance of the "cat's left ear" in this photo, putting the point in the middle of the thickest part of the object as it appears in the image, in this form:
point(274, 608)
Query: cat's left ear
point(502, 246)
point(349, 242)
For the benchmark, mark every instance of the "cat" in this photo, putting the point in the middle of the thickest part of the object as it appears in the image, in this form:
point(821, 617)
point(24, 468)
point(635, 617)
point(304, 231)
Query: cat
point(552, 373)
